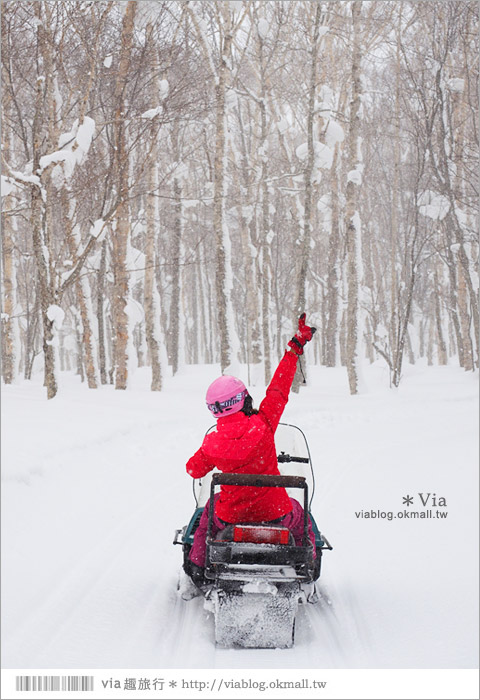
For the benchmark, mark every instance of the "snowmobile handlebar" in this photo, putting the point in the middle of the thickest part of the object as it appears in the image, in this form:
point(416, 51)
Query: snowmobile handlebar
point(282, 457)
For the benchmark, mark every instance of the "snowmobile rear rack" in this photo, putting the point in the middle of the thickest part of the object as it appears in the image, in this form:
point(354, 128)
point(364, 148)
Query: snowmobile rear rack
point(260, 480)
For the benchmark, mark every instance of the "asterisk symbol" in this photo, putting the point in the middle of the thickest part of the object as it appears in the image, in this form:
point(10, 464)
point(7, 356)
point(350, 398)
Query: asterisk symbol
point(173, 684)
point(407, 500)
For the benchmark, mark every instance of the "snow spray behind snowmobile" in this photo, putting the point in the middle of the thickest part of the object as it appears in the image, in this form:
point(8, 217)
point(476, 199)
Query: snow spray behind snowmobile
point(255, 574)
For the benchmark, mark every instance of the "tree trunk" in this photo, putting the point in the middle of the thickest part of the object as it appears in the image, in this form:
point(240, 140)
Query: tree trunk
point(265, 222)
point(78, 337)
point(176, 324)
point(253, 351)
point(465, 285)
point(330, 350)
point(403, 326)
point(453, 294)
point(122, 228)
point(465, 320)
point(100, 312)
point(394, 328)
point(45, 288)
point(442, 347)
point(301, 301)
point(9, 323)
point(83, 294)
point(352, 218)
point(152, 319)
point(223, 263)
point(308, 172)
point(203, 314)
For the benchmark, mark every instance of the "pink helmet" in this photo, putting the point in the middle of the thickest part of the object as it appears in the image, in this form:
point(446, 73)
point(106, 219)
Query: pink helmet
point(226, 396)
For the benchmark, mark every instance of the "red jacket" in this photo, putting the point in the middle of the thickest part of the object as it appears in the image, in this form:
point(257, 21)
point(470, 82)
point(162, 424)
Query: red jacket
point(245, 445)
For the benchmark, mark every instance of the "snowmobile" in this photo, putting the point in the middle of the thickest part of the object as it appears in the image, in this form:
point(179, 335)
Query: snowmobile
point(255, 574)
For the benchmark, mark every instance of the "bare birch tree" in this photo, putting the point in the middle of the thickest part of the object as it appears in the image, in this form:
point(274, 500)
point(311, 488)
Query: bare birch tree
point(152, 312)
point(122, 217)
point(255, 89)
point(352, 218)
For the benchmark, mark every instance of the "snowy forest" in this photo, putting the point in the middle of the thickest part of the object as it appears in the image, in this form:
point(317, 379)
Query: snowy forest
point(181, 179)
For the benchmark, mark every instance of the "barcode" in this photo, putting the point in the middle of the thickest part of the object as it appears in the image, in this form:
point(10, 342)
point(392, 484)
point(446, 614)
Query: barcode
point(52, 683)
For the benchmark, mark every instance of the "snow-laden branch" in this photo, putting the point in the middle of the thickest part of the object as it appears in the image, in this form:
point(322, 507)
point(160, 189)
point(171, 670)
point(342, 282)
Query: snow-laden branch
point(14, 178)
point(74, 147)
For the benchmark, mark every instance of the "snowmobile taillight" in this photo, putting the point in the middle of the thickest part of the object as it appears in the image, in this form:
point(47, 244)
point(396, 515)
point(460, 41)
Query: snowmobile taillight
point(261, 534)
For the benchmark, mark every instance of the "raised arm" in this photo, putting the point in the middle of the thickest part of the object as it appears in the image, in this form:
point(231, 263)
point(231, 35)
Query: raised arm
point(276, 398)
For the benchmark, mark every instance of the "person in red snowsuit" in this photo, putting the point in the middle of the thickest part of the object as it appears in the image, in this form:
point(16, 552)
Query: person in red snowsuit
point(243, 443)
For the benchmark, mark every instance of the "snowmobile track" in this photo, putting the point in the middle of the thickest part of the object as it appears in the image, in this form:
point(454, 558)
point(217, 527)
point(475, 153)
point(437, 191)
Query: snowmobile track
point(189, 625)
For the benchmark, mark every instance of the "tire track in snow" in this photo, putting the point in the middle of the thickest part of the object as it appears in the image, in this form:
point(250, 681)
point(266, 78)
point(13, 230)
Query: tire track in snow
point(89, 599)
point(322, 639)
point(190, 641)
point(339, 631)
point(318, 633)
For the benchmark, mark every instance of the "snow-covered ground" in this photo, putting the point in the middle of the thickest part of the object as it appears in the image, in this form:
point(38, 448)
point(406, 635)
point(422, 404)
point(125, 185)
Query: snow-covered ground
point(94, 486)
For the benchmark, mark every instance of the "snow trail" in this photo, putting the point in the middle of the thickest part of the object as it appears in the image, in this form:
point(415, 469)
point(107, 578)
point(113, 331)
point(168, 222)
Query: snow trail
point(91, 501)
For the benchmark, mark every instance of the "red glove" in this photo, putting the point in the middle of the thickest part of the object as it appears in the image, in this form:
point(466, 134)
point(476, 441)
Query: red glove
point(303, 335)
